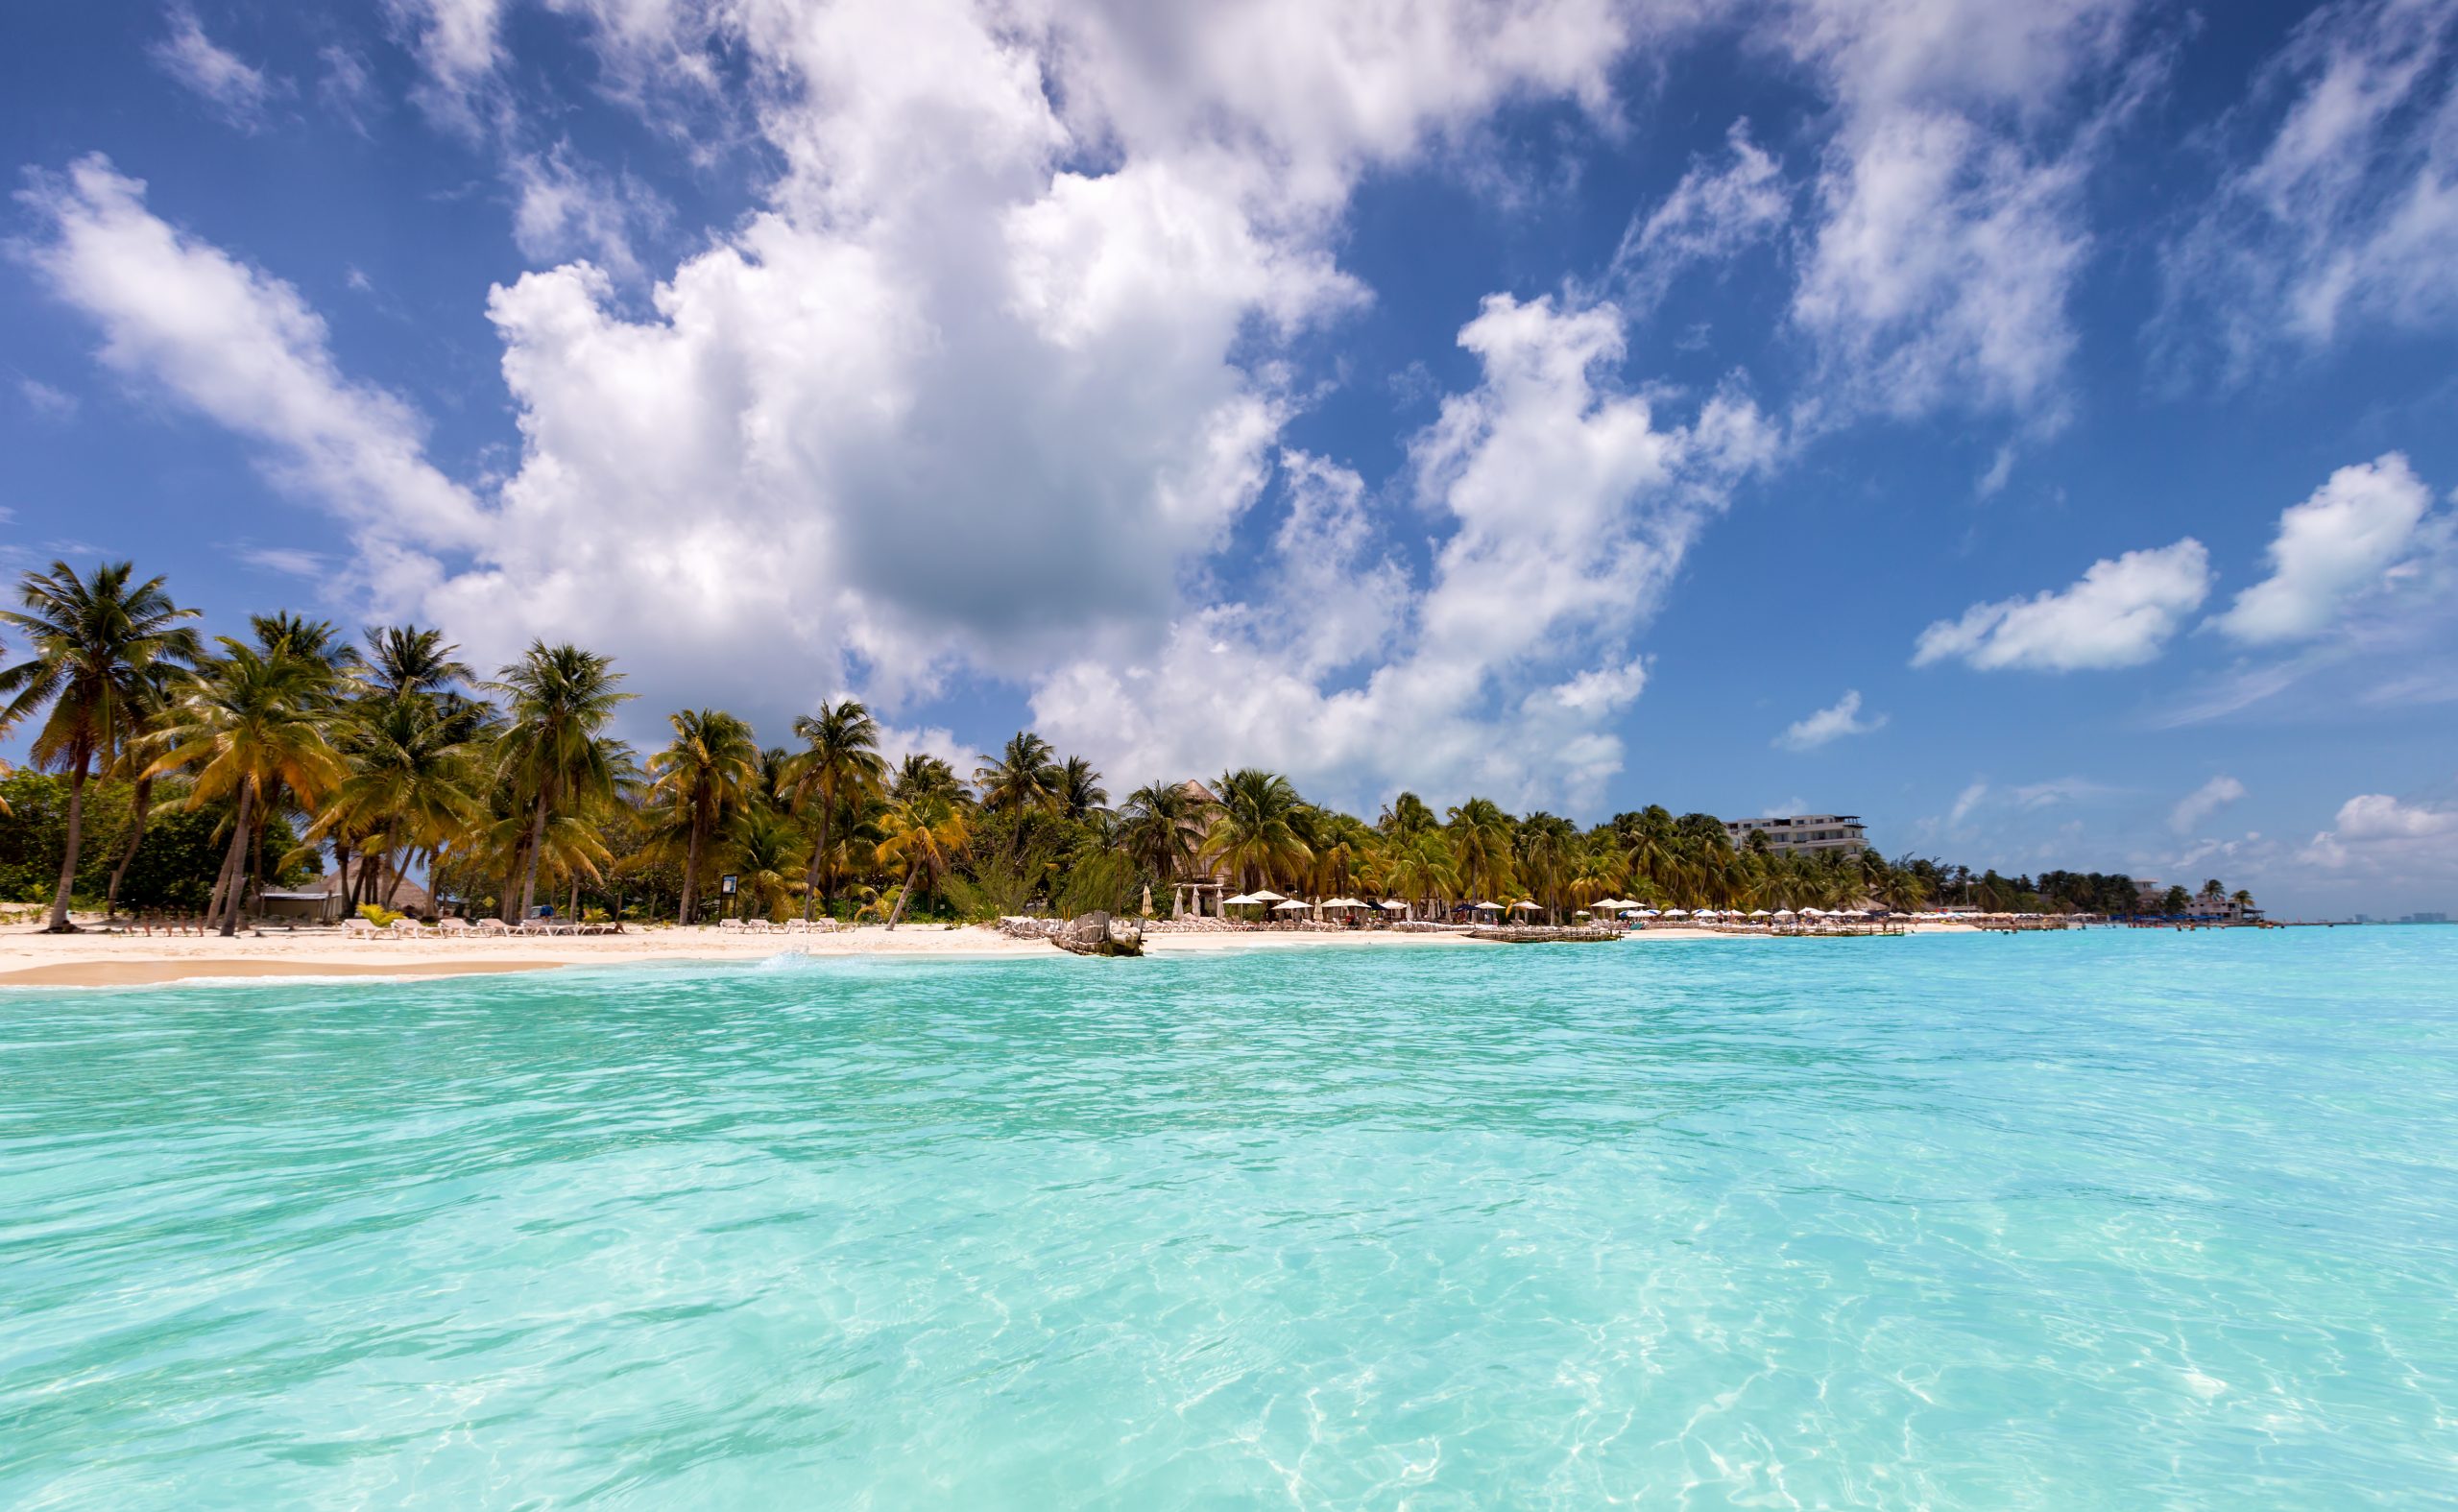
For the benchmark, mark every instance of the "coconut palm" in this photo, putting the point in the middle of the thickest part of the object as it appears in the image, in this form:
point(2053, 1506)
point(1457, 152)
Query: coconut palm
point(1545, 846)
point(247, 724)
point(550, 754)
point(405, 661)
point(1422, 867)
point(765, 850)
point(1025, 775)
point(839, 761)
point(1254, 829)
point(1163, 829)
point(1079, 794)
point(412, 782)
point(1481, 841)
point(709, 771)
point(928, 832)
point(94, 644)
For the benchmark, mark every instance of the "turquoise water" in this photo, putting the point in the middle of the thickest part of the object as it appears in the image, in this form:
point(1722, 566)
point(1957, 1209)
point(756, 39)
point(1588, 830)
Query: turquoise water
point(2118, 1220)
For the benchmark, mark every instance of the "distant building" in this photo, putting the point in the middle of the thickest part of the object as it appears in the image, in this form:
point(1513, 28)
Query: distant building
point(2149, 897)
point(2425, 918)
point(1799, 833)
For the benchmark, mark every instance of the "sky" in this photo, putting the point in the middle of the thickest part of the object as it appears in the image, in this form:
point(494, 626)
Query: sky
point(2027, 427)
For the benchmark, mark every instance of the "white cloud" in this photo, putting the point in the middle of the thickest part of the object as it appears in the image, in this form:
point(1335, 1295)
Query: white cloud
point(458, 43)
point(1966, 801)
point(49, 403)
point(1711, 215)
point(287, 559)
point(1832, 723)
point(567, 208)
point(2344, 214)
point(2121, 614)
point(1569, 510)
point(2060, 790)
point(1952, 223)
point(245, 349)
point(236, 89)
point(2330, 549)
point(2203, 801)
point(2375, 834)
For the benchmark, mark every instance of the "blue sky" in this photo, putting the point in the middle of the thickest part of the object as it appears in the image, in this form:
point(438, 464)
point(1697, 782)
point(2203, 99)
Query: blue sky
point(2026, 426)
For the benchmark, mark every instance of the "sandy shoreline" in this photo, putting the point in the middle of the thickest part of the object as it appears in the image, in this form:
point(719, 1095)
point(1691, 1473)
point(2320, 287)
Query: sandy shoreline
point(28, 959)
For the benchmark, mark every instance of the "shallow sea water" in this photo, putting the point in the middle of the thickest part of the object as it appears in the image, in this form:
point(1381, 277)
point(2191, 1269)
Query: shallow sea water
point(2063, 1221)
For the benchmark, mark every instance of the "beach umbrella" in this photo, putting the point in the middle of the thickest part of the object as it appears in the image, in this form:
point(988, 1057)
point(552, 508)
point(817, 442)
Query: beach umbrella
point(1490, 909)
point(1265, 894)
point(1645, 913)
point(1394, 905)
point(1291, 906)
point(1525, 905)
point(1676, 913)
point(1241, 897)
point(1760, 913)
point(1784, 913)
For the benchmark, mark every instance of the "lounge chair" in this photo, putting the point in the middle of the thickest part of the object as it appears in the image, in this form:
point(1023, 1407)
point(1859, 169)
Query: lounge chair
point(456, 927)
point(358, 929)
point(493, 926)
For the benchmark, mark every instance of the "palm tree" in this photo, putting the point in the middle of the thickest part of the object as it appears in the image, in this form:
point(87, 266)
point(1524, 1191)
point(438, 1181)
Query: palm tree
point(1163, 826)
point(1025, 775)
point(839, 760)
point(709, 771)
point(412, 781)
point(1079, 795)
point(765, 851)
point(247, 724)
point(136, 756)
point(550, 752)
point(928, 833)
point(1254, 829)
point(1546, 846)
point(1421, 868)
point(95, 643)
point(1481, 838)
point(405, 661)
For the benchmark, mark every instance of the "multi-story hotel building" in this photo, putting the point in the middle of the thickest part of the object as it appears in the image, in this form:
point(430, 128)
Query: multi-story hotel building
point(1799, 833)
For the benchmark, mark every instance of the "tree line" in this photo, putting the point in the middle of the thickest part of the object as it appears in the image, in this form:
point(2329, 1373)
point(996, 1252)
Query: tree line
point(510, 791)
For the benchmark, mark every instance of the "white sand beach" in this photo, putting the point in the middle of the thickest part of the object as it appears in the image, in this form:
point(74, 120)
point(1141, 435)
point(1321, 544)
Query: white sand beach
point(31, 959)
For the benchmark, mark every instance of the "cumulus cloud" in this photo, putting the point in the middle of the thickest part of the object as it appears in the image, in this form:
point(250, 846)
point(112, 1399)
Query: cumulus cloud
point(2330, 549)
point(2376, 834)
point(2341, 211)
point(1569, 508)
point(988, 379)
point(234, 88)
point(2121, 614)
point(2203, 801)
point(1967, 802)
point(245, 349)
point(1840, 719)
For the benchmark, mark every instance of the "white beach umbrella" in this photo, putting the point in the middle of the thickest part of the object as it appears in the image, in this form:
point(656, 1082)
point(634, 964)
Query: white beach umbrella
point(1525, 907)
point(1785, 913)
point(1676, 913)
point(1490, 908)
point(1645, 913)
point(1394, 905)
point(1241, 897)
point(1813, 913)
point(1760, 913)
point(1265, 894)
point(1291, 906)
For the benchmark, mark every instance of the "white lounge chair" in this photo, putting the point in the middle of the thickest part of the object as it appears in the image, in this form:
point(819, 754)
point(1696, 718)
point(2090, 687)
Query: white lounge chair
point(358, 929)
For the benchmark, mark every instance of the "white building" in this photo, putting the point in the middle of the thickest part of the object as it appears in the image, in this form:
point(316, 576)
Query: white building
point(1799, 833)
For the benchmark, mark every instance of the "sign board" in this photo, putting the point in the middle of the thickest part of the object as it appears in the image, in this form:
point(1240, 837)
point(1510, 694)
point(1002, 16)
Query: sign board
point(725, 884)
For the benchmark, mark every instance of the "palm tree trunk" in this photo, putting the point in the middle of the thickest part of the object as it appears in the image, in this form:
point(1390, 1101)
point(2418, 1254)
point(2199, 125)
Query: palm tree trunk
point(60, 923)
point(137, 807)
point(810, 873)
point(341, 869)
point(574, 911)
point(231, 863)
point(690, 876)
point(536, 844)
point(904, 894)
